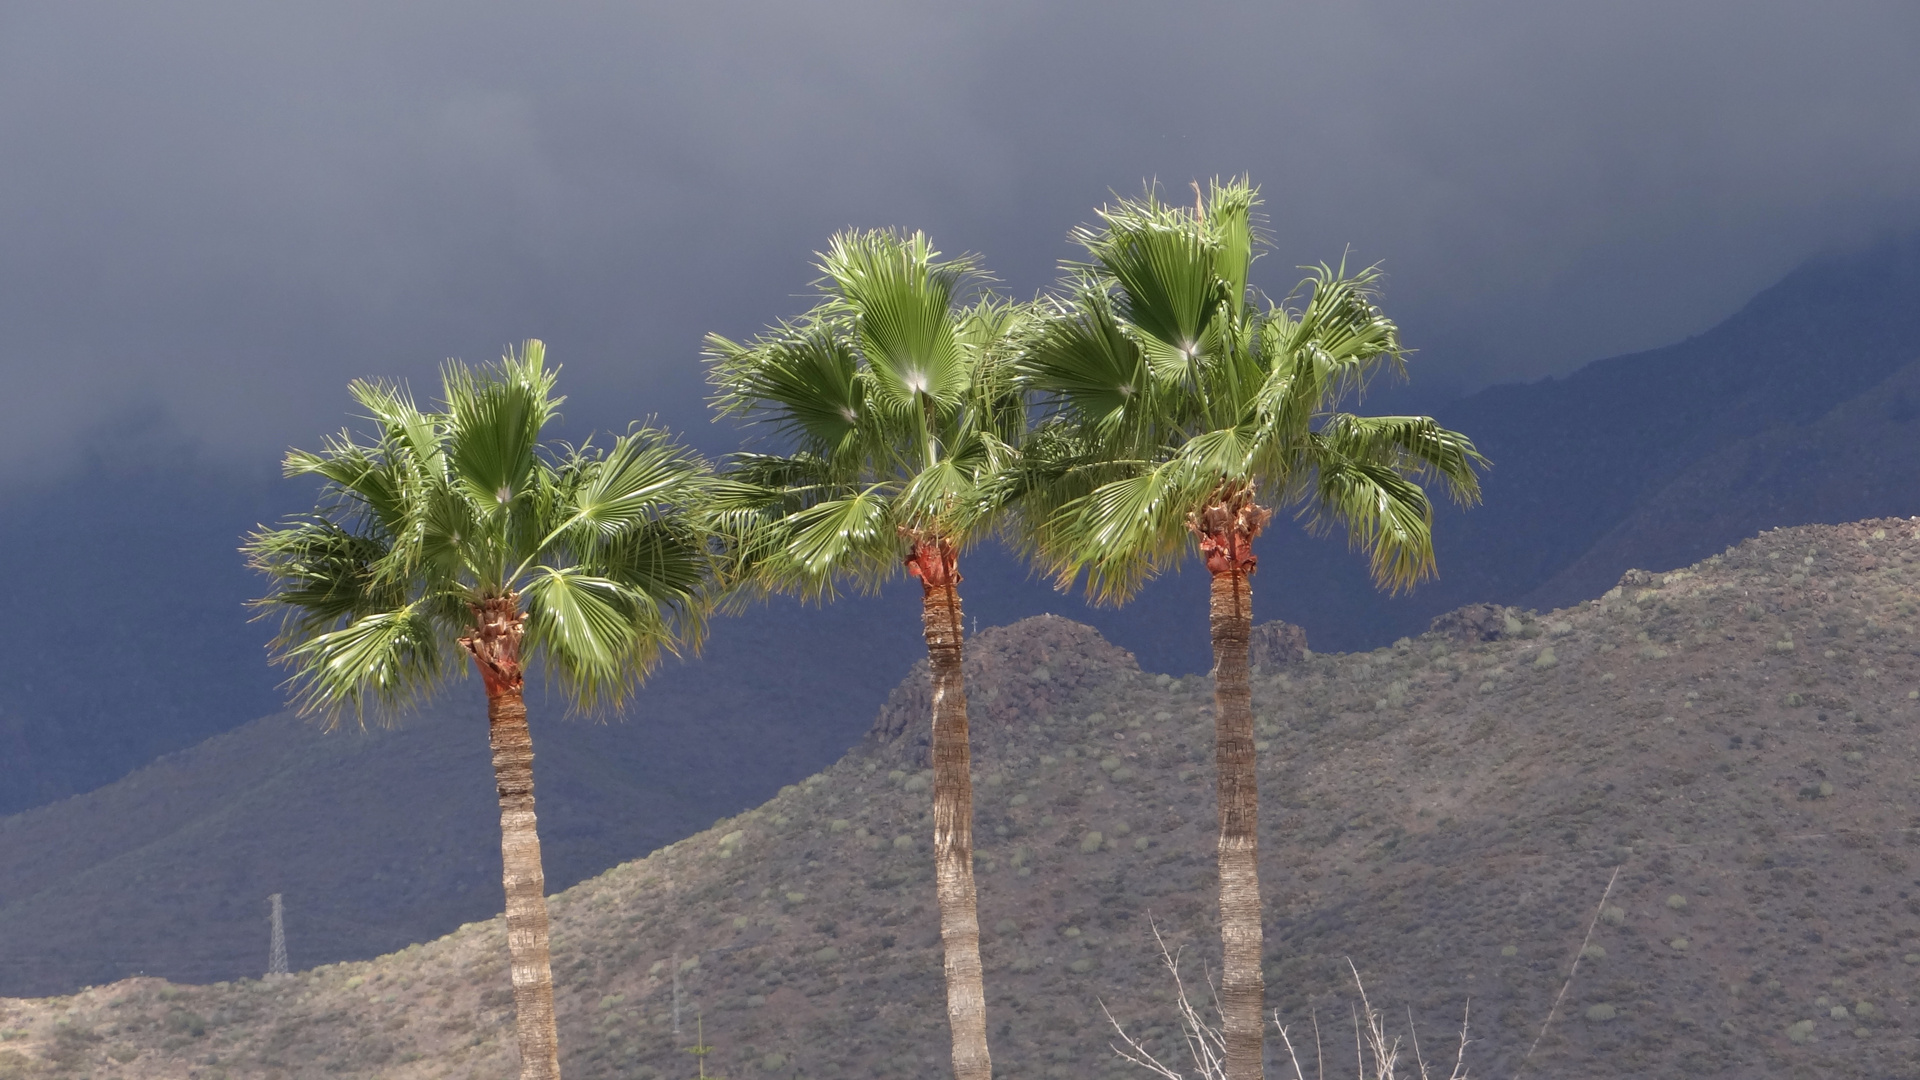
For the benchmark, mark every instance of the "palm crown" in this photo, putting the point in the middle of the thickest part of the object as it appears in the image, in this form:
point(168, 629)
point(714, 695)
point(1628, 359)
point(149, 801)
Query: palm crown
point(449, 514)
point(1171, 385)
point(896, 402)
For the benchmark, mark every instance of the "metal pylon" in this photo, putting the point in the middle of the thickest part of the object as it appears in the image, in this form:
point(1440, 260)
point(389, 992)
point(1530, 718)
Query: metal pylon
point(277, 947)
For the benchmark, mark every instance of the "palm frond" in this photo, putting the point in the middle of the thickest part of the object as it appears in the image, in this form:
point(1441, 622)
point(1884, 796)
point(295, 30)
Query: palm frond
point(493, 419)
point(1412, 445)
point(805, 380)
point(322, 574)
point(644, 474)
point(597, 637)
point(391, 658)
point(902, 297)
point(1082, 359)
point(1383, 513)
point(1161, 259)
point(853, 538)
point(1229, 208)
point(1126, 531)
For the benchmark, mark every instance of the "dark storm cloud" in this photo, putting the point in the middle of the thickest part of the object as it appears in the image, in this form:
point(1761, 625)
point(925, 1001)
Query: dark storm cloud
point(220, 212)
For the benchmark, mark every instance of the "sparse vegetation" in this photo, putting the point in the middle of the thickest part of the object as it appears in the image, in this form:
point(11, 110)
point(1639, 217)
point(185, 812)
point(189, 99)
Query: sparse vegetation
point(1401, 839)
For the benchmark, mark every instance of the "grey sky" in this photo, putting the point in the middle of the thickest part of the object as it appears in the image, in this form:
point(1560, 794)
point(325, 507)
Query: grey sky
point(221, 211)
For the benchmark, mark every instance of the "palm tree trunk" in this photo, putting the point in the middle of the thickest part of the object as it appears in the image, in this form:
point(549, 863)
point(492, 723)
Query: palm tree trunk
point(1242, 988)
point(1225, 530)
point(935, 563)
point(495, 646)
point(526, 885)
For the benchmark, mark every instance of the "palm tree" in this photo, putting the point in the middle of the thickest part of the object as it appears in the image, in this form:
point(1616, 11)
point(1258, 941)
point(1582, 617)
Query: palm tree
point(454, 535)
point(895, 406)
point(1180, 407)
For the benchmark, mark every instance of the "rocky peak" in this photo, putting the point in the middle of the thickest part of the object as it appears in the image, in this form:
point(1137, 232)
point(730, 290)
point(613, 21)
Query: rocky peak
point(1017, 672)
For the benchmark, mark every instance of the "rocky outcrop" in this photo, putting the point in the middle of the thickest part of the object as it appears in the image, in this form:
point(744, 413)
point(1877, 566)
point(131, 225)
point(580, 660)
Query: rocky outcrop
point(1277, 645)
point(1474, 622)
point(1014, 673)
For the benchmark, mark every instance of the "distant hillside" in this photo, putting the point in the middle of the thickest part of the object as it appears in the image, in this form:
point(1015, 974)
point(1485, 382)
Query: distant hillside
point(1797, 409)
point(376, 838)
point(1734, 740)
point(1859, 458)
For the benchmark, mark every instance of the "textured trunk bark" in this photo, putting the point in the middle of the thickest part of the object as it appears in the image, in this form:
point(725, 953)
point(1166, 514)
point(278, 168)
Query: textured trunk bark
point(1225, 531)
point(935, 563)
point(495, 647)
point(1242, 987)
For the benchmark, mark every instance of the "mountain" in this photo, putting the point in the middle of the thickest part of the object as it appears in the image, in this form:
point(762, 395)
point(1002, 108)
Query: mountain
point(377, 838)
point(1702, 783)
point(1796, 409)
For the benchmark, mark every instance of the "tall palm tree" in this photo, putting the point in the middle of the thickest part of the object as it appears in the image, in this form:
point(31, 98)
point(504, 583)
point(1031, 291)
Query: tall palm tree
point(455, 536)
point(895, 406)
point(1180, 408)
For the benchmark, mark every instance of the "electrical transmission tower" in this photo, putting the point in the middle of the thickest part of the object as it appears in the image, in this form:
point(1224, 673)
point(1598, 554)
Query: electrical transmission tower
point(277, 947)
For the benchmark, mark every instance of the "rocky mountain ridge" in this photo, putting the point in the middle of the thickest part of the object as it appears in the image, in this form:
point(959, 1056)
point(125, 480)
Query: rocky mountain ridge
point(1714, 767)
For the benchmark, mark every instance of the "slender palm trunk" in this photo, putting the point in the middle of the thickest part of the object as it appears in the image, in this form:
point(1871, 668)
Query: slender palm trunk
point(1242, 989)
point(496, 653)
point(935, 563)
point(1226, 530)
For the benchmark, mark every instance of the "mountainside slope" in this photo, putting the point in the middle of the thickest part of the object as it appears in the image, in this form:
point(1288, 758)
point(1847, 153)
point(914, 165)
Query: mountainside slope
point(1734, 742)
point(1859, 459)
point(1581, 462)
point(377, 838)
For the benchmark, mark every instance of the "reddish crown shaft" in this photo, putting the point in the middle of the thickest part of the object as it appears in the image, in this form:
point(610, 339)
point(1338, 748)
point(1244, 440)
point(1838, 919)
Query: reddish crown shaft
point(499, 625)
point(935, 561)
point(1226, 529)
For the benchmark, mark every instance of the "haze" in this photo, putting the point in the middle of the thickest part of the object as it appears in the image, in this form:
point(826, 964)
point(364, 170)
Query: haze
point(217, 213)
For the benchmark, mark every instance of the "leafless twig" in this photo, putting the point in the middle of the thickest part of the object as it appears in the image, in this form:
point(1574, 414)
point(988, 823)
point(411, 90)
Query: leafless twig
point(1208, 1049)
point(1582, 951)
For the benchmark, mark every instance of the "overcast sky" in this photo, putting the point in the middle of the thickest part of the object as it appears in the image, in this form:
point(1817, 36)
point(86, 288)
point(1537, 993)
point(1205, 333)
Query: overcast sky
point(217, 213)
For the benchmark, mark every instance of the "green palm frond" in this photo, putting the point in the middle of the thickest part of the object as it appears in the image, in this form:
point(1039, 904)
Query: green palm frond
point(392, 659)
point(1230, 214)
point(1412, 445)
point(1084, 360)
point(494, 417)
point(853, 537)
point(1161, 259)
point(322, 574)
point(643, 474)
point(611, 552)
point(596, 636)
point(807, 381)
point(902, 298)
point(1384, 514)
point(1167, 382)
point(1125, 531)
point(894, 405)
